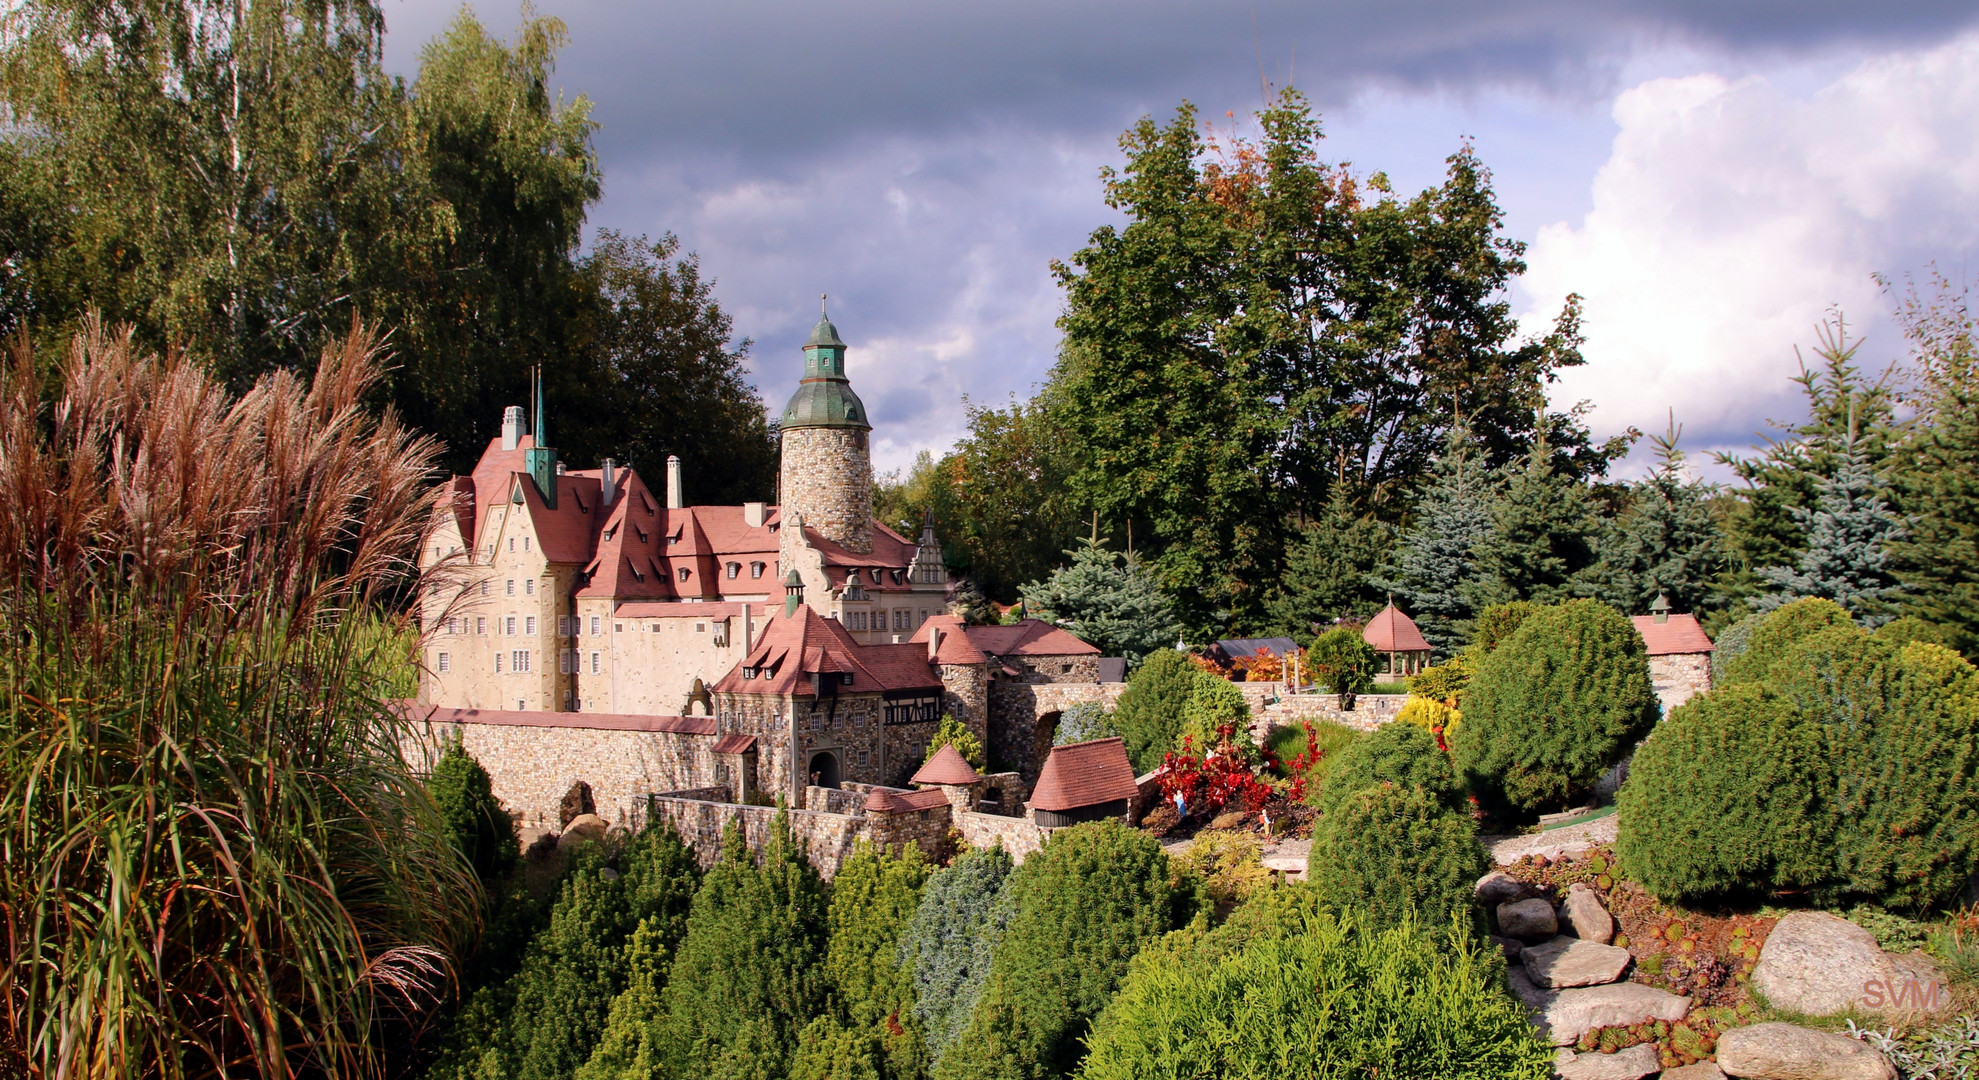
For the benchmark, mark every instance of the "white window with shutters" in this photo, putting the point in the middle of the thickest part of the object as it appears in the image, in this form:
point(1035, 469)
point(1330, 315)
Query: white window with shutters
point(481, 625)
point(595, 625)
point(519, 660)
point(498, 663)
point(594, 663)
point(446, 662)
point(529, 626)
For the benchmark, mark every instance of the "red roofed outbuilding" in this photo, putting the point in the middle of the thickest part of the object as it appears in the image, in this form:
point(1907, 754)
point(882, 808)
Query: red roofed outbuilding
point(1084, 781)
point(1679, 653)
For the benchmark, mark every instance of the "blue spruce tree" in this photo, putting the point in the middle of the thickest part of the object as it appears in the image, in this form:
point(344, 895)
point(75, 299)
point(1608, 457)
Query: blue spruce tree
point(1435, 566)
point(1665, 541)
point(1850, 530)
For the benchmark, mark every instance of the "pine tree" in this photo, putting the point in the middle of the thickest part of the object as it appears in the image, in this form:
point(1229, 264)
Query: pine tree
point(1328, 566)
point(1113, 604)
point(1849, 532)
point(1542, 540)
point(1149, 713)
point(1436, 563)
point(1938, 484)
point(481, 827)
point(750, 972)
point(1666, 541)
point(871, 1018)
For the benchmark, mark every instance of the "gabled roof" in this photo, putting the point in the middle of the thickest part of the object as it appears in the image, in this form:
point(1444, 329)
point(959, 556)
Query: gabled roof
point(956, 646)
point(793, 647)
point(1031, 637)
point(948, 766)
point(1236, 647)
point(1677, 637)
point(1084, 774)
point(1392, 631)
point(893, 801)
point(735, 744)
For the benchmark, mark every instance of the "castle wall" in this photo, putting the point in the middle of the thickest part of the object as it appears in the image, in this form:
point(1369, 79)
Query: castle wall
point(826, 475)
point(647, 664)
point(1019, 740)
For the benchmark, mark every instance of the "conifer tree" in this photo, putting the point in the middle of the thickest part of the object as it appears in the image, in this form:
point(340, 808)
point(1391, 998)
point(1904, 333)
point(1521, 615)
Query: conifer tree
point(1436, 563)
point(1542, 540)
point(750, 971)
point(480, 825)
point(1938, 485)
point(1665, 542)
point(946, 948)
point(1110, 603)
point(1328, 567)
point(1149, 713)
point(1850, 532)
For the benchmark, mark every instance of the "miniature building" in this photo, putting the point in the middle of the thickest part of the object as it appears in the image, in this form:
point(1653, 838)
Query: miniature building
point(1394, 636)
point(1679, 653)
point(1231, 649)
point(1084, 781)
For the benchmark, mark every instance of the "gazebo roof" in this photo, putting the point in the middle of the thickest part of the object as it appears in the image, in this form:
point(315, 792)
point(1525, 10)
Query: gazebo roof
point(1392, 631)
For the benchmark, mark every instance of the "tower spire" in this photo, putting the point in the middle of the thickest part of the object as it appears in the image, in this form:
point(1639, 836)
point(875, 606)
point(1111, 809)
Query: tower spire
point(541, 433)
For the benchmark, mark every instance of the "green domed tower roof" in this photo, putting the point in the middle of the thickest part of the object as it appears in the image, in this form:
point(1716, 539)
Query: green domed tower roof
point(824, 398)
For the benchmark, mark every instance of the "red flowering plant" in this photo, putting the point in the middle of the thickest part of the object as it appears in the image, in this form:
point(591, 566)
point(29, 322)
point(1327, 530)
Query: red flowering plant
point(1224, 776)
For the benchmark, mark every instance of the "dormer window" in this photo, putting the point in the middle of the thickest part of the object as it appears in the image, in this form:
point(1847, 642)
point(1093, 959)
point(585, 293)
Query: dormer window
point(899, 577)
point(748, 673)
point(876, 577)
point(684, 573)
point(756, 569)
point(734, 570)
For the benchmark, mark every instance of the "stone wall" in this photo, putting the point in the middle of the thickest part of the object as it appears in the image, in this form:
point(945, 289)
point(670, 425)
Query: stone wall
point(1019, 740)
point(966, 696)
point(826, 475)
point(829, 837)
point(1076, 668)
point(849, 800)
point(1370, 711)
point(531, 765)
point(1019, 836)
point(1680, 677)
point(926, 829)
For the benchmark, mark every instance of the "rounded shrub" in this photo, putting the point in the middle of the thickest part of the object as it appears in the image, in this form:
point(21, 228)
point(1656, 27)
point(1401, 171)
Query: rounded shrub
point(1214, 703)
point(1777, 633)
point(1289, 988)
point(1444, 682)
point(1428, 714)
point(1343, 661)
point(481, 827)
point(1496, 624)
point(1727, 794)
point(1149, 713)
point(1398, 753)
point(1391, 852)
point(1554, 707)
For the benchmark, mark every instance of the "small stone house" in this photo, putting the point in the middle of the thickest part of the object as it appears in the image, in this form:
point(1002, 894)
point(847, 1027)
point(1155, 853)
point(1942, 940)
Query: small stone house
point(1679, 654)
point(1400, 644)
point(1085, 781)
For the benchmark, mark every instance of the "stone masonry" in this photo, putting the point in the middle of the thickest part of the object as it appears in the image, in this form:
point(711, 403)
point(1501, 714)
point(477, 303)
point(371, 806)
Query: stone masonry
point(827, 479)
point(1679, 677)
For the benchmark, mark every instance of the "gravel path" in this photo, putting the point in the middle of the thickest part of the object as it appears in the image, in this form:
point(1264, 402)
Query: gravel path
point(1562, 841)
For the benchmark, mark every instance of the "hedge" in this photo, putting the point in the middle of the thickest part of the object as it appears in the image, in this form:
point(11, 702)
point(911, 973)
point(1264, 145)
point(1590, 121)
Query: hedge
point(1554, 707)
point(1392, 851)
point(1310, 994)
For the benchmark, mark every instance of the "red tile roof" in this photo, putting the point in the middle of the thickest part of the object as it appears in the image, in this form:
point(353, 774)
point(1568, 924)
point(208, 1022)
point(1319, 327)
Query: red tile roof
point(735, 744)
point(683, 725)
point(792, 647)
point(894, 801)
point(948, 766)
point(955, 647)
point(691, 609)
point(1031, 637)
point(1084, 774)
point(1392, 631)
point(1679, 636)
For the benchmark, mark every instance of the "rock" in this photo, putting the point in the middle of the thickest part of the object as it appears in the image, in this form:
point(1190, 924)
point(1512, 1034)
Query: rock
point(576, 803)
point(1528, 920)
point(1563, 1016)
point(1633, 1063)
point(1590, 920)
point(1229, 820)
point(1775, 1051)
point(582, 829)
point(1566, 961)
point(1510, 946)
point(1498, 887)
point(1821, 964)
point(1703, 1070)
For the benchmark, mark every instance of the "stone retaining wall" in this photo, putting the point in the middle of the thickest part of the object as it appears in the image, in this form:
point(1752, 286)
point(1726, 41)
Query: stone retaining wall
point(1370, 711)
point(830, 837)
point(1019, 836)
point(531, 767)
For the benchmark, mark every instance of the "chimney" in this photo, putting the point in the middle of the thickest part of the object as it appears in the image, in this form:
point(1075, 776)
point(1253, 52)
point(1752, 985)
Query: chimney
point(674, 501)
point(793, 593)
point(748, 633)
point(611, 482)
point(934, 642)
point(512, 427)
point(1661, 608)
point(754, 513)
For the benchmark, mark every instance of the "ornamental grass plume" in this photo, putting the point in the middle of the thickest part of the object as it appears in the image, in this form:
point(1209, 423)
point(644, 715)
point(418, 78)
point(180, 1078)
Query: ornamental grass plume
point(214, 859)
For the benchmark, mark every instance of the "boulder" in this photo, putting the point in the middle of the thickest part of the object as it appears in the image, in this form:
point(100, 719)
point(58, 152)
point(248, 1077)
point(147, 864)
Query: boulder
point(1566, 961)
point(1775, 1051)
point(582, 829)
point(1703, 1070)
point(1509, 946)
point(1584, 912)
point(1563, 1016)
point(577, 802)
point(1528, 920)
point(1821, 964)
point(1498, 887)
point(1633, 1063)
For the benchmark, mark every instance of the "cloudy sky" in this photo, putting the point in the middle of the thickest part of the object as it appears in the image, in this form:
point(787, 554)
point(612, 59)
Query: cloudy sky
point(1711, 176)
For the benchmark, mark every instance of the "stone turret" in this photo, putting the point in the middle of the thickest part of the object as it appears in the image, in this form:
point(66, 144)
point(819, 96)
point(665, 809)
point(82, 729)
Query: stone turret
point(826, 475)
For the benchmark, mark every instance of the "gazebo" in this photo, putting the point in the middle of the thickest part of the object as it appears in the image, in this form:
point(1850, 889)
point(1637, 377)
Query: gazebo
point(1394, 635)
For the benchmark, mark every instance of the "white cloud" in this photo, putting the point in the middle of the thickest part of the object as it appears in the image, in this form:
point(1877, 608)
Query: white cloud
point(1732, 214)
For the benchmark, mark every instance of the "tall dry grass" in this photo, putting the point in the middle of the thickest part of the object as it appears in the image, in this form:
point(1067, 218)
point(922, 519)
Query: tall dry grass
point(213, 858)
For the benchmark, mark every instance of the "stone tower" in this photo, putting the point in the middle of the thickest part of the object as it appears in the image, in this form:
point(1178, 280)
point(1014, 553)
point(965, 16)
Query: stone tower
point(826, 473)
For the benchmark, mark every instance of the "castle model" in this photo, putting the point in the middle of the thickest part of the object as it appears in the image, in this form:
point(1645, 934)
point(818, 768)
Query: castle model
point(579, 626)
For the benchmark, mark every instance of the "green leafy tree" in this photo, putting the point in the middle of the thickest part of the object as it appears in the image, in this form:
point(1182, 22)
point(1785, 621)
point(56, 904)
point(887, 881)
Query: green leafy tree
point(1288, 980)
point(1402, 754)
point(1328, 567)
point(1083, 907)
point(1543, 537)
point(480, 825)
point(1392, 852)
point(750, 971)
point(1938, 484)
point(1435, 563)
point(947, 946)
point(1009, 511)
point(1266, 326)
point(1343, 662)
point(1110, 603)
point(953, 732)
point(1149, 712)
point(1666, 541)
point(1553, 708)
